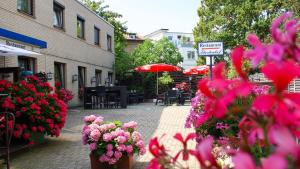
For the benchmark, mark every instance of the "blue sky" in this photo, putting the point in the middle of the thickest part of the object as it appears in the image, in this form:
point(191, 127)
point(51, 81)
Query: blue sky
point(146, 16)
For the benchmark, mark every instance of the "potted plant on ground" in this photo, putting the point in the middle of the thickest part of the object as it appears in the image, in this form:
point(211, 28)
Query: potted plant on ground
point(112, 144)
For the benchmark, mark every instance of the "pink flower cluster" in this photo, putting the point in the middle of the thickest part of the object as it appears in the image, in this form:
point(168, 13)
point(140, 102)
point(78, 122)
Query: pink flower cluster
point(113, 139)
point(268, 121)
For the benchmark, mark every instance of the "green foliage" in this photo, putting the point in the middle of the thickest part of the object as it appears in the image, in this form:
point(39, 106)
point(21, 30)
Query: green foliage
point(231, 20)
point(201, 61)
point(165, 79)
point(122, 61)
point(151, 52)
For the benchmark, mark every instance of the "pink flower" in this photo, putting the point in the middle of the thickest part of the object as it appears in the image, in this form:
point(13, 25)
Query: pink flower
point(98, 120)
point(284, 141)
point(107, 137)
point(259, 51)
point(131, 124)
point(95, 135)
point(104, 158)
point(136, 136)
point(84, 140)
point(204, 152)
point(117, 155)
point(89, 119)
point(142, 151)
point(140, 144)
point(121, 147)
point(110, 153)
point(109, 147)
point(121, 139)
point(129, 149)
point(93, 146)
point(243, 161)
point(112, 161)
point(274, 161)
point(275, 52)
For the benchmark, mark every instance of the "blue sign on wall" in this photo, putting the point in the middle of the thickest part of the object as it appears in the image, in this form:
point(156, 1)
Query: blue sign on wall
point(22, 38)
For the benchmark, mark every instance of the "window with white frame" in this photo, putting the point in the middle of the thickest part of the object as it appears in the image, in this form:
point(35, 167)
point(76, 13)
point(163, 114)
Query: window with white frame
point(58, 15)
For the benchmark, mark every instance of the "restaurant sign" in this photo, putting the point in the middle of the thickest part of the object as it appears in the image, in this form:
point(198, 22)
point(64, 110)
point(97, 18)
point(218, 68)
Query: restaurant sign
point(210, 48)
point(13, 44)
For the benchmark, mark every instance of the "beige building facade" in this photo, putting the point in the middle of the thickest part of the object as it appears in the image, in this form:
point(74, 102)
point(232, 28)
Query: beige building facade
point(75, 44)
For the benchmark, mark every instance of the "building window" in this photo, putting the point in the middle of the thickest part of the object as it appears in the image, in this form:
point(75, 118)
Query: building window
point(80, 27)
point(109, 43)
point(97, 36)
point(81, 80)
point(59, 73)
point(170, 38)
point(27, 63)
point(25, 6)
point(98, 74)
point(132, 36)
point(191, 55)
point(58, 15)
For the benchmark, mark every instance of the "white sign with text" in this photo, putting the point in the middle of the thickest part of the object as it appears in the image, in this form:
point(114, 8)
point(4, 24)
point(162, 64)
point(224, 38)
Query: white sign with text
point(210, 48)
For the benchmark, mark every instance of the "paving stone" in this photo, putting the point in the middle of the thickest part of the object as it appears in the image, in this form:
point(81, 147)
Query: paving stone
point(67, 151)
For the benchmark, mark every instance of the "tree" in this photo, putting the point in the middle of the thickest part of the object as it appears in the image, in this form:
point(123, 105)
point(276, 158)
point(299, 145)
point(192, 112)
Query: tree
point(151, 52)
point(122, 63)
point(231, 20)
point(162, 51)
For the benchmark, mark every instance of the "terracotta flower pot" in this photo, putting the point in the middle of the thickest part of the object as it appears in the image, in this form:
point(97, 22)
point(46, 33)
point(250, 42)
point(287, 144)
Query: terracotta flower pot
point(126, 162)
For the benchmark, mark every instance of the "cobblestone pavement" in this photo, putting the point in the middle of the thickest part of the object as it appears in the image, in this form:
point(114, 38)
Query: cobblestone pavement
point(67, 151)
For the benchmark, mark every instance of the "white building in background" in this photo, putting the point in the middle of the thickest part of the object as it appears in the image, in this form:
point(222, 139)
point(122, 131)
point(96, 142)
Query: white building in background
point(183, 41)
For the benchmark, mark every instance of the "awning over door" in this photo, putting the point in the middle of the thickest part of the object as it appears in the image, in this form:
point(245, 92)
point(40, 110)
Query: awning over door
point(6, 50)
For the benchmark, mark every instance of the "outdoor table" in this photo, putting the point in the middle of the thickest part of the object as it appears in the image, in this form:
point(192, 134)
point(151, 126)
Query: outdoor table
point(91, 91)
point(122, 90)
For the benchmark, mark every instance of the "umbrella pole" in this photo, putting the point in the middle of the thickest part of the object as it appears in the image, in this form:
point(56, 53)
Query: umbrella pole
point(157, 83)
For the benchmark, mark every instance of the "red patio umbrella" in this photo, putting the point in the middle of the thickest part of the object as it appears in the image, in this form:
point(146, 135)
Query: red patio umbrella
point(196, 70)
point(155, 68)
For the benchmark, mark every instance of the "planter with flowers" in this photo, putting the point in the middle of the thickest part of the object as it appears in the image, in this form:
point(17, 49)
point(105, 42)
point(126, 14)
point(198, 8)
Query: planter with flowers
point(112, 144)
point(37, 108)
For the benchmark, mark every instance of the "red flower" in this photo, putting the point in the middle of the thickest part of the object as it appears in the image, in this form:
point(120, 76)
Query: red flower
point(8, 104)
point(41, 129)
point(237, 60)
point(26, 136)
point(34, 129)
point(278, 74)
point(185, 151)
point(204, 154)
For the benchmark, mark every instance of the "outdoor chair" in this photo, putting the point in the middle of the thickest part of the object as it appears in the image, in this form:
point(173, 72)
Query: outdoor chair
point(172, 96)
point(112, 100)
point(101, 96)
point(89, 98)
point(161, 97)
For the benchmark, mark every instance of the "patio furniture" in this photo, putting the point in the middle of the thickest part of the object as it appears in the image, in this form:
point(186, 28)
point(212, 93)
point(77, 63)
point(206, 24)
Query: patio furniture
point(172, 96)
point(161, 97)
point(140, 97)
point(8, 133)
point(101, 96)
point(92, 97)
point(112, 99)
point(132, 98)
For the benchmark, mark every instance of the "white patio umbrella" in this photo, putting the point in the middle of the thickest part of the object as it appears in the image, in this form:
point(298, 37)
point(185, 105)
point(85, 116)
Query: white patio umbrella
point(6, 50)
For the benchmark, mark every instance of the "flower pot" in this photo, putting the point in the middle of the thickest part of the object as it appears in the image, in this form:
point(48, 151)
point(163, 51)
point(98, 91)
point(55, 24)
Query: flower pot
point(126, 162)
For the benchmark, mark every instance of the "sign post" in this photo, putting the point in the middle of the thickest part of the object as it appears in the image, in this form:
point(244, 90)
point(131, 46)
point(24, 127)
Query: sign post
point(210, 49)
